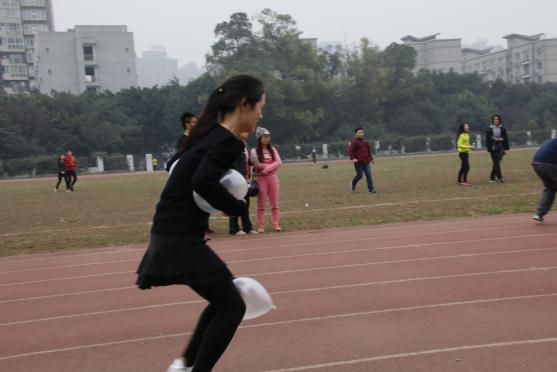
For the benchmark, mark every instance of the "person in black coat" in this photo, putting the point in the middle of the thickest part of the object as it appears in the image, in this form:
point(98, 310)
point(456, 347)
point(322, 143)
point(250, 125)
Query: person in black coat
point(544, 164)
point(61, 171)
point(188, 121)
point(243, 165)
point(177, 252)
point(497, 142)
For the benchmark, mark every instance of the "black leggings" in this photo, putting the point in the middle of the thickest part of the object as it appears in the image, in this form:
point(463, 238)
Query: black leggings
point(61, 176)
point(464, 167)
point(71, 179)
point(217, 325)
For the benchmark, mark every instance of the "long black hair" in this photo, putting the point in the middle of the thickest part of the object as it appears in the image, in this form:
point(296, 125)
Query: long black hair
point(460, 131)
point(497, 116)
point(224, 99)
point(259, 150)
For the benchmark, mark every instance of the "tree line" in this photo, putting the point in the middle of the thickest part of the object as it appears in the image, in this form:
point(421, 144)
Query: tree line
point(313, 96)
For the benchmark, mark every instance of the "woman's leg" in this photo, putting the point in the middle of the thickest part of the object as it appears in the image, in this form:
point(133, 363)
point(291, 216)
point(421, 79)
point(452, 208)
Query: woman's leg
point(261, 199)
point(274, 193)
point(60, 177)
point(217, 325)
point(461, 170)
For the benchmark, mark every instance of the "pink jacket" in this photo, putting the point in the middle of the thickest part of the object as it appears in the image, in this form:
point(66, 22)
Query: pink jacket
point(269, 167)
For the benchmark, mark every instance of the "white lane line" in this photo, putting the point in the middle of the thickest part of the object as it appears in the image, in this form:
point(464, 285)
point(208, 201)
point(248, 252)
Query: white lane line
point(292, 321)
point(318, 268)
point(372, 228)
point(372, 283)
point(423, 259)
point(136, 259)
point(418, 353)
point(293, 291)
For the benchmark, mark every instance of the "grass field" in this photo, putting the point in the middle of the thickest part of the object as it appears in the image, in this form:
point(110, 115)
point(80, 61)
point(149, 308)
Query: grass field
point(116, 210)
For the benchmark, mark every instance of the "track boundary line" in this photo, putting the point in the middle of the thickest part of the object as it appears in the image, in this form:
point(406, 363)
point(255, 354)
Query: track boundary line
point(266, 247)
point(292, 321)
point(417, 353)
point(300, 270)
point(386, 227)
point(277, 293)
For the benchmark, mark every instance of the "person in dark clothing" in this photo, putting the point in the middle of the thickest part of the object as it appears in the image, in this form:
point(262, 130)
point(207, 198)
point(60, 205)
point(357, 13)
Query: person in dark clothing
point(61, 171)
point(188, 121)
point(242, 165)
point(545, 166)
point(360, 154)
point(497, 142)
point(177, 252)
point(71, 176)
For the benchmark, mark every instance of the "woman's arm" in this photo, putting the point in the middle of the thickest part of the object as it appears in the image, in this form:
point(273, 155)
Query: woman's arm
point(269, 168)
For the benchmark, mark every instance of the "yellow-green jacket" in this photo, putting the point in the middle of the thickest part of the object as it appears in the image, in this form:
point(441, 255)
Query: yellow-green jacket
point(463, 143)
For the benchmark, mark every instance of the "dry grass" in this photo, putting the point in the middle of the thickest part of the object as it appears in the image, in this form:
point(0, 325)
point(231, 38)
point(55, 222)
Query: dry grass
point(116, 210)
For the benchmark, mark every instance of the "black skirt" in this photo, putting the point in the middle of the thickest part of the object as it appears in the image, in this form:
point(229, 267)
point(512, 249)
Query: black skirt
point(179, 260)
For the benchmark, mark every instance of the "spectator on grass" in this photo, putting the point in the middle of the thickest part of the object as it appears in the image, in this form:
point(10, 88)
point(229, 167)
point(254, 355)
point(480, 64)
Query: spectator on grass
point(71, 165)
point(545, 166)
point(266, 160)
point(188, 122)
point(497, 142)
point(464, 148)
point(360, 154)
point(61, 171)
point(243, 165)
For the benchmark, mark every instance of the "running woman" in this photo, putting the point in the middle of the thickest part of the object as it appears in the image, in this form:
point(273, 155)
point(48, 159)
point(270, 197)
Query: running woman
point(61, 171)
point(177, 252)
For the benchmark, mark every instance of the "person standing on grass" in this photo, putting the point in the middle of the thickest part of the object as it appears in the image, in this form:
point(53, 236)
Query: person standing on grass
point(242, 165)
point(497, 142)
point(61, 171)
point(177, 252)
point(71, 177)
point(188, 122)
point(266, 160)
point(464, 149)
point(360, 154)
point(545, 166)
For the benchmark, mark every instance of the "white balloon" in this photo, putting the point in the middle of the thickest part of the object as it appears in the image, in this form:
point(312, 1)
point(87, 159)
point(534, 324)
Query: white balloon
point(257, 299)
point(232, 181)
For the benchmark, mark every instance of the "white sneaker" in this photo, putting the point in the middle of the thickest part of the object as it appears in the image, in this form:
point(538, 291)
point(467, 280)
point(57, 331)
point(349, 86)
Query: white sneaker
point(178, 366)
point(538, 218)
point(240, 233)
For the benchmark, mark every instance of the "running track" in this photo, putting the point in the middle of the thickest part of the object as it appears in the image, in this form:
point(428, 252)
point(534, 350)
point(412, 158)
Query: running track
point(460, 295)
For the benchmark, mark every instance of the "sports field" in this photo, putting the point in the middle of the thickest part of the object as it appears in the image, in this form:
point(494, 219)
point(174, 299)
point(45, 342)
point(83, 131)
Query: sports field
point(116, 210)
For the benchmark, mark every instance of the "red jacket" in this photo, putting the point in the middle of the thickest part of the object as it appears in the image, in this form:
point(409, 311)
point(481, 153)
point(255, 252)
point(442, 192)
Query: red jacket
point(71, 163)
point(359, 150)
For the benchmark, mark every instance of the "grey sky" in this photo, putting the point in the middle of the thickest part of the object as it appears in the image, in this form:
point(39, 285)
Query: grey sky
point(186, 27)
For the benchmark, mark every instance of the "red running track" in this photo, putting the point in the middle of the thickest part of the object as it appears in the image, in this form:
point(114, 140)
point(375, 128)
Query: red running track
point(460, 295)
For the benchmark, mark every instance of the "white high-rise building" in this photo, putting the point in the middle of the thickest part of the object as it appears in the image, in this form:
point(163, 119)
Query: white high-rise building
point(20, 21)
point(86, 58)
point(155, 68)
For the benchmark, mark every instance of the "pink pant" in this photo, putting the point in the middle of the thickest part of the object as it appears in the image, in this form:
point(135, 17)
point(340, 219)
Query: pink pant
point(268, 188)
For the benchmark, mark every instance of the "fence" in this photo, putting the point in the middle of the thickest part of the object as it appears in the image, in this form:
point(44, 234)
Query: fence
point(387, 145)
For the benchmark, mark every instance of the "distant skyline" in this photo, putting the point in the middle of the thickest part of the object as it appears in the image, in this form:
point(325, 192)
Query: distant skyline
point(186, 28)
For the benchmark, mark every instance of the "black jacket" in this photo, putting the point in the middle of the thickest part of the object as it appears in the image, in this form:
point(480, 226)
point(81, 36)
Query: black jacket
point(241, 164)
point(61, 166)
point(490, 143)
point(199, 169)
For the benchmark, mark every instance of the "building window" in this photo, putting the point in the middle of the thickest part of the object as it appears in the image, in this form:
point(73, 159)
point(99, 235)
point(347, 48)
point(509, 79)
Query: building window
point(49, 71)
point(9, 2)
point(10, 14)
point(29, 43)
point(91, 89)
point(539, 51)
point(34, 28)
point(17, 71)
point(128, 69)
point(127, 50)
point(526, 69)
point(15, 43)
point(33, 15)
point(33, 2)
point(88, 53)
point(90, 74)
point(539, 65)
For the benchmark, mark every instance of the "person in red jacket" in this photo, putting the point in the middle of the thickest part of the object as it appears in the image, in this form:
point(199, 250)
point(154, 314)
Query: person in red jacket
point(71, 176)
point(360, 154)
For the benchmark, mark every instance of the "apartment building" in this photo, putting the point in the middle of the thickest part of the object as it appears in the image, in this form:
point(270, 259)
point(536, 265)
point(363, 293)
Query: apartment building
point(86, 58)
point(20, 21)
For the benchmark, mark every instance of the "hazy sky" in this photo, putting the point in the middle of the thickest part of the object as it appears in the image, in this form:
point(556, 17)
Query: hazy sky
point(186, 27)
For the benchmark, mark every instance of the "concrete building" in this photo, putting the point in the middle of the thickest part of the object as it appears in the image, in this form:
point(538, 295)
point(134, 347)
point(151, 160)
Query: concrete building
point(436, 54)
point(86, 58)
point(20, 21)
point(527, 58)
point(155, 68)
point(188, 72)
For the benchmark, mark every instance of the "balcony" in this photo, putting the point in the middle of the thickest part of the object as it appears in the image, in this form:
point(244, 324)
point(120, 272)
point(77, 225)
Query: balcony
point(9, 77)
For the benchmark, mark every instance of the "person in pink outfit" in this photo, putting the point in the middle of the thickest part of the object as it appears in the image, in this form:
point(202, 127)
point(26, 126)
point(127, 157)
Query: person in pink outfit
point(266, 160)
